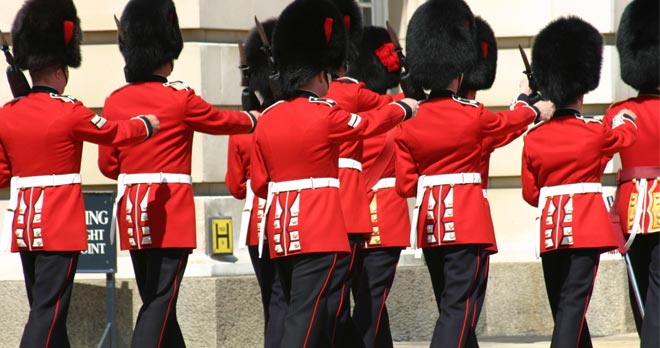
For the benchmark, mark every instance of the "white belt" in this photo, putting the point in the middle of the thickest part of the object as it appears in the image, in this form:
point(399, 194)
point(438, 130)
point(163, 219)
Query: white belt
point(642, 188)
point(246, 214)
point(144, 178)
point(560, 190)
point(384, 183)
point(350, 164)
point(437, 180)
point(18, 183)
point(286, 186)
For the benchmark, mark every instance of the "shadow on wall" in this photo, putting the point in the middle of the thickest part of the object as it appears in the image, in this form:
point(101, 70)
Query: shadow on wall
point(87, 314)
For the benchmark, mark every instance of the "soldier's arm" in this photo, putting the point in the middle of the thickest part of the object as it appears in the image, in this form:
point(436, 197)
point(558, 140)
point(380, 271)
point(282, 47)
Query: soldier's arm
point(346, 126)
point(259, 177)
point(108, 161)
point(498, 124)
point(5, 167)
point(236, 176)
point(369, 100)
point(492, 143)
point(530, 189)
point(88, 126)
point(620, 133)
point(407, 173)
point(202, 117)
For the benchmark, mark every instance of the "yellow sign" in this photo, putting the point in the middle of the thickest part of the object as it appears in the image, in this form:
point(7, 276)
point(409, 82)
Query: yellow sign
point(222, 236)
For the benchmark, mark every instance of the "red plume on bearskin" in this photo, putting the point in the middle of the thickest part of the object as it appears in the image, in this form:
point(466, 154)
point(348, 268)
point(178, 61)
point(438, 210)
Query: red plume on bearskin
point(46, 33)
point(150, 37)
point(440, 43)
point(482, 74)
point(566, 60)
point(377, 65)
point(637, 43)
point(309, 37)
point(256, 60)
point(352, 17)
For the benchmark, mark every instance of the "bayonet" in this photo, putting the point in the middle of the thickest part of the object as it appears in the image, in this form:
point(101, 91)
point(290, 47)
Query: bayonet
point(409, 90)
point(17, 82)
point(274, 80)
point(249, 99)
point(535, 96)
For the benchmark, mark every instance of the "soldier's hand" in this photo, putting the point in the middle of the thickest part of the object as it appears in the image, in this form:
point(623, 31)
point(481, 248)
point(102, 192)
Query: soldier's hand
point(413, 104)
point(255, 113)
point(524, 86)
point(547, 109)
point(155, 123)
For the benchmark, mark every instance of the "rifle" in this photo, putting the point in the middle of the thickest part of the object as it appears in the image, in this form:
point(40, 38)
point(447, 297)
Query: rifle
point(274, 79)
point(17, 81)
point(409, 90)
point(249, 100)
point(535, 96)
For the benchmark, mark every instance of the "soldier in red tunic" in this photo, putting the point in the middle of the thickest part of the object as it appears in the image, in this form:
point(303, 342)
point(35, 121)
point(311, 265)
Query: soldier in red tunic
point(238, 183)
point(41, 141)
point(353, 96)
point(561, 170)
point(638, 195)
point(155, 208)
point(379, 68)
point(294, 164)
point(438, 159)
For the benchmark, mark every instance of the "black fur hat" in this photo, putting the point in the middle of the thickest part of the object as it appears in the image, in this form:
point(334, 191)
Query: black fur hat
point(309, 37)
point(637, 43)
point(566, 60)
point(46, 33)
point(440, 43)
point(482, 74)
point(352, 17)
point(149, 36)
point(256, 61)
point(378, 66)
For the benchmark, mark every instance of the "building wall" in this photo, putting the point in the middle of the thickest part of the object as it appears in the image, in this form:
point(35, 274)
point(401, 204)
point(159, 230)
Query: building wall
point(209, 64)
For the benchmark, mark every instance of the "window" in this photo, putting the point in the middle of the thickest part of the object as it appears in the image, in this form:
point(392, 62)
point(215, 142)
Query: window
point(374, 12)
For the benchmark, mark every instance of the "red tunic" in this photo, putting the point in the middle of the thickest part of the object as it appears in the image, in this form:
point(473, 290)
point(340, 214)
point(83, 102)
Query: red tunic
point(299, 139)
point(389, 212)
point(446, 138)
point(569, 149)
point(354, 96)
point(171, 208)
point(644, 153)
point(238, 173)
point(43, 134)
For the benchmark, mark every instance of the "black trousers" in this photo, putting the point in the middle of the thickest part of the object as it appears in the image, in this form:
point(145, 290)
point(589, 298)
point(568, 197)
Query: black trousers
point(458, 273)
point(373, 280)
point(305, 279)
point(158, 273)
point(343, 329)
point(644, 255)
point(49, 282)
point(569, 280)
point(272, 297)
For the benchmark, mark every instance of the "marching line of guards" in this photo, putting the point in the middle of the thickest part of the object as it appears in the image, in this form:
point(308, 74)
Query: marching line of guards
point(327, 172)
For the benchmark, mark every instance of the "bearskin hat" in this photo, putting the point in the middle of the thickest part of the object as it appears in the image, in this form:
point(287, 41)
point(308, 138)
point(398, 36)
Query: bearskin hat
point(149, 36)
point(566, 60)
point(482, 74)
point(377, 65)
point(352, 16)
point(309, 37)
point(440, 43)
point(46, 33)
point(637, 43)
point(257, 62)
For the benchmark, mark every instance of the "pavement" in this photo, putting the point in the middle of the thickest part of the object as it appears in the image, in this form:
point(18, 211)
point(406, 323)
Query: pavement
point(617, 341)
